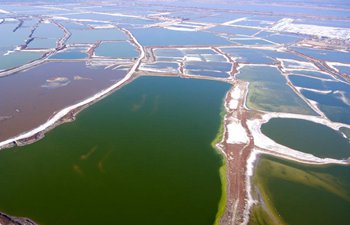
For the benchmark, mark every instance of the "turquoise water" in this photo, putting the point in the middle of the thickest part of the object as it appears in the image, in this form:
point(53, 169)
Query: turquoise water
point(141, 156)
point(17, 58)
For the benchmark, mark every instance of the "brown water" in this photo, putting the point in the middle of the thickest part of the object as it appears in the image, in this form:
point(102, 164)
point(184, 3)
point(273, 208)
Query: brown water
point(29, 98)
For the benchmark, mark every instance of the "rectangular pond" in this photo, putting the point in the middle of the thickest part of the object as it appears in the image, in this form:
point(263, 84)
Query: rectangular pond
point(327, 55)
point(258, 56)
point(116, 50)
point(334, 105)
point(17, 58)
point(95, 35)
point(268, 91)
point(71, 53)
point(165, 37)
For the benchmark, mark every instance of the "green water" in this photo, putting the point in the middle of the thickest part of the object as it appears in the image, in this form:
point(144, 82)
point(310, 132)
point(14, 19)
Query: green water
point(345, 131)
point(141, 156)
point(307, 136)
point(268, 91)
point(297, 194)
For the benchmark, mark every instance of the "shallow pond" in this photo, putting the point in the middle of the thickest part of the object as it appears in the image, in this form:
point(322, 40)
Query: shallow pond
point(29, 98)
point(327, 55)
point(116, 50)
point(159, 36)
point(308, 137)
point(268, 91)
point(93, 36)
point(18, 58)
point(136, 157)
point(296, 194)
point(74, 53)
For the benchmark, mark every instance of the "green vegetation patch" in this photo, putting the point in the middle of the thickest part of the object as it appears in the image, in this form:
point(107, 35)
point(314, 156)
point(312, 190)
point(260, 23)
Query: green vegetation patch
point(298, 194)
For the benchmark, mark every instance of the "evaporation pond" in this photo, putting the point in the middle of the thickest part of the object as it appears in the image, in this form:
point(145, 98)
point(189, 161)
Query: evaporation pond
point(30, 97)
point(92, 36)
point(159, 36)
point(117, 50)
point(327, 55)
point(74, 53)
point(304, 194)
point(308, 137)
point(17, 58)
point(268, 91)
point(142, 155)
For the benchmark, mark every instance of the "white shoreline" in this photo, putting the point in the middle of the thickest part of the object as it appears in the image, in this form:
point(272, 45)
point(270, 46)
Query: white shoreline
point(263, 142)
point(59, 115)
point(250, 166)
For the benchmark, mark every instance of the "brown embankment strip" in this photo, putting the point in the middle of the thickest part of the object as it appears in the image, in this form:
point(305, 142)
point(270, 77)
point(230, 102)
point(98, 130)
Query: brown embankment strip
point(236, 160)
